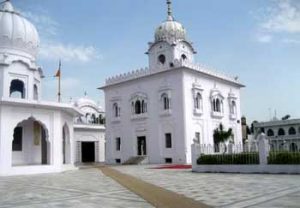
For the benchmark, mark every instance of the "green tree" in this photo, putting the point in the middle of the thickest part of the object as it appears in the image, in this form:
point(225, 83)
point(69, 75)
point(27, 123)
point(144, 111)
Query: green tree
point(221, 135)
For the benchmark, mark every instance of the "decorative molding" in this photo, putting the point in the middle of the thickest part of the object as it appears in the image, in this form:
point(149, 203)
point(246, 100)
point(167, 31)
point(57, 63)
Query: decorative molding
point(144, 72)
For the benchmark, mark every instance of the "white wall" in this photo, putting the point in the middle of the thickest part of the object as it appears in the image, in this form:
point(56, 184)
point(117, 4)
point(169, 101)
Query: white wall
point(91, 135)
point(181, 122)
point(53, 120)
point(206, 123)
point(151, 125)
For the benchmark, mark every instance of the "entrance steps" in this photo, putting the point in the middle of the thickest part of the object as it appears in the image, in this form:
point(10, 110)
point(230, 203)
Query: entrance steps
point(136, 160)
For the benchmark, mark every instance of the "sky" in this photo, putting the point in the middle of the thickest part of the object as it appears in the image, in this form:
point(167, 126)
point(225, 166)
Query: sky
point(258, 41)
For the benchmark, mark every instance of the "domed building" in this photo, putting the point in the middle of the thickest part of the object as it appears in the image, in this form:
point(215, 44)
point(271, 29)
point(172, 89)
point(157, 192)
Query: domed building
point(153, 115)
point(89, 132)
point(36, 136)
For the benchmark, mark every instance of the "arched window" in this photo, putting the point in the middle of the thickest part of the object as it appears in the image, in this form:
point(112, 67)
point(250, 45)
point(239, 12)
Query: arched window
point(292, 131)
point(233, 107)
point(217, 105)
point(138, 107)
point(144, 107)
point(183, 57)
point(166, 101)
point(293, 147)
point(198, 101)
point(281, 132)
point(17, 89)
point(116, 110)
point(35, 92)
point(162, 59)
point(93, 119)
point(270, 132)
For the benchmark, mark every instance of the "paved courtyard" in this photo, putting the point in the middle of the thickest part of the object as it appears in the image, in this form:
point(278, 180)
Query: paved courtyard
point(91, 188)
point(86, 188)
point(225, 190)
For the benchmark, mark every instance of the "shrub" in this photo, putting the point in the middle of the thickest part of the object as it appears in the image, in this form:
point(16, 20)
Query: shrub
point(284, 157)
point(229, 159)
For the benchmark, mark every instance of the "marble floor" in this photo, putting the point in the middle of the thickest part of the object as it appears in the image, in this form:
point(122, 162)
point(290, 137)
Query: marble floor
point(225, 190)
point(86, 188)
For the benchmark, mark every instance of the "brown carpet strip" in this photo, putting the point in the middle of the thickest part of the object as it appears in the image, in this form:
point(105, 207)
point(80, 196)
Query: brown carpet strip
point(154, 195)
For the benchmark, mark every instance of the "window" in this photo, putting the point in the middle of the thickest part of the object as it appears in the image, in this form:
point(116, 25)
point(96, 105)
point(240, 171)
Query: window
point(118, 161)
point(292, 131)
point(217, 105)
point(162, 59)
point(293, 147)
point(168, 137)
point(197, 137)
point(144, 107)
point(281, 132)
point(17, 89)
point(118, 143)
point(116, 110)
point(35, 92)
point(17, 142)
point(198, 101)
point(138, 107)
point(168, 160)
point(233, 107)
point(166, 101)
point(270, 132)
point(183, 57)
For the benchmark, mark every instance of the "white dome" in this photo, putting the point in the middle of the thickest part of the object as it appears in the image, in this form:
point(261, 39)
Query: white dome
point(83, 102)
point(17, 34)
point(170, 31)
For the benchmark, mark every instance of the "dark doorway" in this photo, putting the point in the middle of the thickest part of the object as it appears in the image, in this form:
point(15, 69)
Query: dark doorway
point(142, 146)
point(44, 148)
point(88, 151)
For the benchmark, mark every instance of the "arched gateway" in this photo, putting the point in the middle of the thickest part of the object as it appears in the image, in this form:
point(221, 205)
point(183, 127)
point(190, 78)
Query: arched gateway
point(30, 144)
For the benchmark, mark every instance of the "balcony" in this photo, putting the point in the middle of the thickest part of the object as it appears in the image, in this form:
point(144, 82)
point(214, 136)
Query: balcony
point(141, 116)
point(215, 114)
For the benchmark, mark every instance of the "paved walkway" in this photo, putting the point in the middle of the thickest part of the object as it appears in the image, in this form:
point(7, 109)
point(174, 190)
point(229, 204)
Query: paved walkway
point(225, 190)
point(155, 195)
point(87, 188)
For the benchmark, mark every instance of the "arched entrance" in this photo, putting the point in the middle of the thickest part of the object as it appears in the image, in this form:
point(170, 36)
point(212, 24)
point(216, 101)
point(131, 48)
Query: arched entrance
point(66, 149)
point(30, 144)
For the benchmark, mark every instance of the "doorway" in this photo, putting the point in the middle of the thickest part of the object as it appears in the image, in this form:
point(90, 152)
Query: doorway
point(88, 152)
point(141, 146)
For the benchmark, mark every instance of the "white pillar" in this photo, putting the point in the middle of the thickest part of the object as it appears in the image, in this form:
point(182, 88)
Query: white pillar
point(263, 149)
point(196, 152)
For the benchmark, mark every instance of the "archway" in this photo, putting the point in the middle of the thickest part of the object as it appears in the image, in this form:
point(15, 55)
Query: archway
point(293, 147)
point(30, 144)
point(66, 145)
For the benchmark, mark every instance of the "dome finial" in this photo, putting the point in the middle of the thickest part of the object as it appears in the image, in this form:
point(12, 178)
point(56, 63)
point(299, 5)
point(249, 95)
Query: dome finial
point(7, 6)
point(170, 15)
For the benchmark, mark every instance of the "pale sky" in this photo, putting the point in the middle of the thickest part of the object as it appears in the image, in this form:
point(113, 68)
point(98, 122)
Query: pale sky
point(257, 40)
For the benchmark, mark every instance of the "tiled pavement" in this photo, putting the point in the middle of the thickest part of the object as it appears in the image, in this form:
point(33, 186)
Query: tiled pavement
point(87, 188)
point(225, 190)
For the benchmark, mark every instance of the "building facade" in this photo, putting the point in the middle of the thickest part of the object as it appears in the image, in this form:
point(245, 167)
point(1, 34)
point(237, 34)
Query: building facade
point(89, 132)
point(159, 111)
point(35, 136)
point(282, 134)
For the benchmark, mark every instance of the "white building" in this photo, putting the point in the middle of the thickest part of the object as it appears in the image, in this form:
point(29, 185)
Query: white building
point(35, 136)
point(89, 132)
point(158, 111)
point(282, 134)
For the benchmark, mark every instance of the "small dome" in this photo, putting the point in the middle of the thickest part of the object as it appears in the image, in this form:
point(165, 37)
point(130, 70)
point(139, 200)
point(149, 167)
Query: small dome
point(85, 101)
point(170, 31)
point(17, 34)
